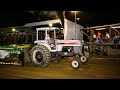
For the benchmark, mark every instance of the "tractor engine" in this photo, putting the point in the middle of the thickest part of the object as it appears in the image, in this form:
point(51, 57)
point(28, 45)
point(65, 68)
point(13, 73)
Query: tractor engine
point(67, 51)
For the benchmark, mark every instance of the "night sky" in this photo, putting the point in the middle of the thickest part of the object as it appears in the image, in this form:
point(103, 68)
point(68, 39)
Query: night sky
point(89, 18)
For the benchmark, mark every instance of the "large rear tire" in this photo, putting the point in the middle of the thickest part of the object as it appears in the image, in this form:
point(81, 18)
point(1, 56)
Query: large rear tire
point(40, 56)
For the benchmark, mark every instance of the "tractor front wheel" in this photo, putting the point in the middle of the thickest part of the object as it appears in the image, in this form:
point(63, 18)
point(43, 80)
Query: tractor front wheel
point(83, 59)
point(75, 64)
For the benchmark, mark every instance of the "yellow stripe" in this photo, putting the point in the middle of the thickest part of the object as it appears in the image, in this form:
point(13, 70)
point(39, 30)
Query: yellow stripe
point(23, 46)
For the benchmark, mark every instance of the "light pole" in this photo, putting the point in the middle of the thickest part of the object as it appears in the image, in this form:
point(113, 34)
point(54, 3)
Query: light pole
point(14, 31)
point(75, 23)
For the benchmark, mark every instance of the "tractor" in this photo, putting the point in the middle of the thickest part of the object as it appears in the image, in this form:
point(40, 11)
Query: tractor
point(56, 48)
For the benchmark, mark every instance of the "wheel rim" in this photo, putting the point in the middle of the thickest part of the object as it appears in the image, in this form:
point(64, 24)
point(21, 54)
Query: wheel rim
point(38, 56)
point(75, 64)
point(83, 59)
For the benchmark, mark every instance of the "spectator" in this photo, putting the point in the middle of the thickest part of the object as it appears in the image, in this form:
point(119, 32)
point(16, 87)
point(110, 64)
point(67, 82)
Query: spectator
point(100, 41)
point(98, 35)
point(116, 39)
point(94, 36)
point(96, 41)
point(107, 36)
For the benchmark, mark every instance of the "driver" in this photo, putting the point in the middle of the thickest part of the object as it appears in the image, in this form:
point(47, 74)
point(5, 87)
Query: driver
point(47, 37)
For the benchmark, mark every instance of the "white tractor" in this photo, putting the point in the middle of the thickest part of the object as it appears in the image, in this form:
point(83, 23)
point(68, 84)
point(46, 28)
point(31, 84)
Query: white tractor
point(56, 47)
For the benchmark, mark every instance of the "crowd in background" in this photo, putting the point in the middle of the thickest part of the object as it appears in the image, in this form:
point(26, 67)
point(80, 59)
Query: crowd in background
point(99, 38)
point(14, 39)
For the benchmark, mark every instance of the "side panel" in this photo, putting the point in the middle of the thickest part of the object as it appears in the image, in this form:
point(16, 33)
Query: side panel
point(70, 32)
point(69, 42)
point(61, 43)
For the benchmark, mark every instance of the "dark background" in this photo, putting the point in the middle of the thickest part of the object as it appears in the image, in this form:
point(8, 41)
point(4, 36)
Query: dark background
point(87, 18)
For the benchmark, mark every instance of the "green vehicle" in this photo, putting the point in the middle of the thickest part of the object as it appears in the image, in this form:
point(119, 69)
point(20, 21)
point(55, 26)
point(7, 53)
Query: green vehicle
point(8, 51)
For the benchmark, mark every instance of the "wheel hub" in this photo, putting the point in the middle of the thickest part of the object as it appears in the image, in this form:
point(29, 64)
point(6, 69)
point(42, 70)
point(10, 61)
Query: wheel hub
point(39, 56)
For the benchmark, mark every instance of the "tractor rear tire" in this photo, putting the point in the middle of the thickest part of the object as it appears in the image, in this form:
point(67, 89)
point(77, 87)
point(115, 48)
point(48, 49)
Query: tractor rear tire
point(40, 56)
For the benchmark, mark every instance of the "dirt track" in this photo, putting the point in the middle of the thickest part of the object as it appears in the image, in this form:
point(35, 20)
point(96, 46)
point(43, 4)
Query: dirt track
point(94, 69)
